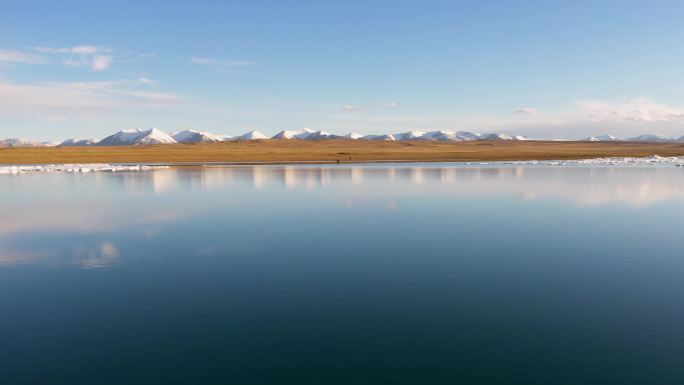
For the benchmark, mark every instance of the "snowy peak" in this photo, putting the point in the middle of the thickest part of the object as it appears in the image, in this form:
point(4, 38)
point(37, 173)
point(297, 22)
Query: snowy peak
point(467, 136)
point(411, 135)
point(308, 134)
point(252, 135)
point(603, 138)
point(19, 142)
point(137, 137)
point(294, 134)
point(495, 136)
point(77, 142)
point(609, 138)
point(192, 136)
point(652, 138)
point(457, 136)
point(441, 136)
point(377, 137)
point(322, 135)
point(155, 136)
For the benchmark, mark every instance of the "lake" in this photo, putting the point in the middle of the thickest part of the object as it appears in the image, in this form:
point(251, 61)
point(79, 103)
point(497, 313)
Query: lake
point(369, 274)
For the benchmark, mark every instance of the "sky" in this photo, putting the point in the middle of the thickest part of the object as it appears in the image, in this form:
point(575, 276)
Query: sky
point(560, 69)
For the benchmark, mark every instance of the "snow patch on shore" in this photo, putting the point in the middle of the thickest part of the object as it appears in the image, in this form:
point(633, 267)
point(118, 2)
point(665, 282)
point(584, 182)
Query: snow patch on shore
point(76, 168)
point(627, 161)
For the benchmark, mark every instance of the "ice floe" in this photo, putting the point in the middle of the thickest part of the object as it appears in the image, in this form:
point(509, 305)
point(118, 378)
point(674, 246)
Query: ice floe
point(677, 161)
point(20, 169)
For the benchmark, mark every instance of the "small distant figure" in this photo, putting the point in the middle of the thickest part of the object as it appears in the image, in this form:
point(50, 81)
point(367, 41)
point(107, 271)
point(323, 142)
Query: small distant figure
point(350, 157)
point(338, 161)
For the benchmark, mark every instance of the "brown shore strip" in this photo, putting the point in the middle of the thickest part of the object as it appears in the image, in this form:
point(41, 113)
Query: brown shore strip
point(331, 151)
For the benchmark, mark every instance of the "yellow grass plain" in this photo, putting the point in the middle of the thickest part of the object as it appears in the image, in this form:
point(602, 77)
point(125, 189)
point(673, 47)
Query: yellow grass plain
point(332, 151)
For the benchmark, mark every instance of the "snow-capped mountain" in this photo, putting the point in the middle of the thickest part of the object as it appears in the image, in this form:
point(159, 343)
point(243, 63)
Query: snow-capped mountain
point(294, 134)
point(441, 136)
point(411, 135)
point(520, 137)
point(353, 135)
point(652, 138)
point(495, 136)
point(252, 135)
point(377, 137)
point(603, 138)
point(192, 136)
point(77, 142)
point(322, 135)
point(19, 142)
point(154, 136)
point(467, 136)
point(609, 138)
point(456, 136)
point(136, 136)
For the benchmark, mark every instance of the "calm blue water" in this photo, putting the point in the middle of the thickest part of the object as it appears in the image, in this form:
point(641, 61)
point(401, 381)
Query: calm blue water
point(381, 274)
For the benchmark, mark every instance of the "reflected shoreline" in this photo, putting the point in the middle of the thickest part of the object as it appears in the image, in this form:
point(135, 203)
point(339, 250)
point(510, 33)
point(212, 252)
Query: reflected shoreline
point(97, 208)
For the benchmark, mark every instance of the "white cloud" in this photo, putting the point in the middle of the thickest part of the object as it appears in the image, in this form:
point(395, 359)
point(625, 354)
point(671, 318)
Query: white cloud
point(92, 56)
point(101, 63)
point(625, 117)
point(355, 108)
point(77, 50)
point(144, 80)
point(351, 108)
point(221, 63)
point(630, 110)
point(10, 56)
point(526, 111)
point(77, 99)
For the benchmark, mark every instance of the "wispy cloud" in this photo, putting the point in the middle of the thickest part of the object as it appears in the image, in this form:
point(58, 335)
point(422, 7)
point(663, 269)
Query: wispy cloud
point(351, 108)
point(101, 63)
point(221, 63)
point(10, 56)
point(147, 81)
point(354, 108)
point(77, 50)
point(78, 99)
point(642, 110)
point(623, 116)
point(98, 58)
point(526, 111)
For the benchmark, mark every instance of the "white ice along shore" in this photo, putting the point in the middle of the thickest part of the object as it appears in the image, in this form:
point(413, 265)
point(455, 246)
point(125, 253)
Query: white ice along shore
point(136, 136)
point(617, 162)
point(76, 168)
point(654, 160)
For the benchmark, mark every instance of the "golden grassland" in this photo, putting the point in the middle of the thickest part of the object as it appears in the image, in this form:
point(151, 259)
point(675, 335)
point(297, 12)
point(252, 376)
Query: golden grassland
point(331, 151)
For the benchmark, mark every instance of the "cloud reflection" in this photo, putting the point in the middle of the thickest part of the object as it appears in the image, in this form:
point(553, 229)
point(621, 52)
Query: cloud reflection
point(80, 219)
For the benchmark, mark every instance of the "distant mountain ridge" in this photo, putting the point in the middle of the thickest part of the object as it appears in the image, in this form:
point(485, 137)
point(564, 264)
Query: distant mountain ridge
point(136, 136)
point(192, 136)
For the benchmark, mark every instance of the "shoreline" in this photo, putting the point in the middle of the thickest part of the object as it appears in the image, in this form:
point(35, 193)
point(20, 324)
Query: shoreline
point(275, 152)
point(650, 161)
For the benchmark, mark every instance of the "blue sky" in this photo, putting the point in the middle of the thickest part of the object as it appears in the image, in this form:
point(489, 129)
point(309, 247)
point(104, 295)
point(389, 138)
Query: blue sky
point(546, 69)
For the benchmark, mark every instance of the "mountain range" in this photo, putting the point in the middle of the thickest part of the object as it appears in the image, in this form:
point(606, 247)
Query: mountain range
point(137, 136)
